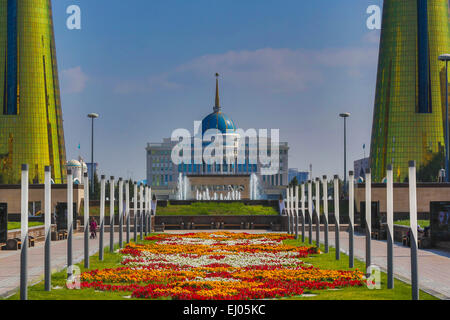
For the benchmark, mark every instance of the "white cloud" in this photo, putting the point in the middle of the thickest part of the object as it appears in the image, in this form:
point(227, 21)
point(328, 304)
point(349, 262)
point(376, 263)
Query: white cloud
point(272, 70)
point(73, 80)
point(150, 84)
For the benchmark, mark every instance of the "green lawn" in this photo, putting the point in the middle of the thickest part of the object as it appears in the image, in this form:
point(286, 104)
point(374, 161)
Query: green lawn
point(95, 211)
point(402, 291)
point(16, 225)
point(422, 223)
point(200, 209)
point(214, 208)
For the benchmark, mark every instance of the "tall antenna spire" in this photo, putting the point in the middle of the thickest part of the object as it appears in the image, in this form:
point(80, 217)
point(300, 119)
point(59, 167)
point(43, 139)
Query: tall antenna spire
point(217, 105)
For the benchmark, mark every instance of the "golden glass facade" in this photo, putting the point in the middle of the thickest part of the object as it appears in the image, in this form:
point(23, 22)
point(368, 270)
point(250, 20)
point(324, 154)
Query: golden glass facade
point(409, 113)
point(31, 127)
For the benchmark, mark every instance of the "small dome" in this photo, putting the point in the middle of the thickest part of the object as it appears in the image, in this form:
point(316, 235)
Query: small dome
point(74, 164)
point(219, 121)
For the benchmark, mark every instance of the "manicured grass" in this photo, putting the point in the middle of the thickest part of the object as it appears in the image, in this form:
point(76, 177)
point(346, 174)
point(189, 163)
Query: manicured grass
point(200, 209)
point(37, 292)
point(214, 208)
point(16, 225)
point(95, 211)
point(402, 291)
point(422, 223)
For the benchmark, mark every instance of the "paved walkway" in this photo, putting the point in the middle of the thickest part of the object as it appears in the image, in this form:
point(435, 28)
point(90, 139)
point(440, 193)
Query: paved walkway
point(10, 261)
point(434, 265)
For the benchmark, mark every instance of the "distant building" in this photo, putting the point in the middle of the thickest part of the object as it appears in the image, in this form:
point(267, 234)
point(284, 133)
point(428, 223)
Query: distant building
point(164, 176)
point(360, 167)
point(302, 176)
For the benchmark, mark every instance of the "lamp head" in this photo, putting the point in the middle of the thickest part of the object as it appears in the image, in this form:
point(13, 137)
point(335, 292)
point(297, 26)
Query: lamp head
point(444, 57)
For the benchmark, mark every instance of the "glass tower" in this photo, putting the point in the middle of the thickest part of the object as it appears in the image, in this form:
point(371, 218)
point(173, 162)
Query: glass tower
point(31, 127)
point(409, 112)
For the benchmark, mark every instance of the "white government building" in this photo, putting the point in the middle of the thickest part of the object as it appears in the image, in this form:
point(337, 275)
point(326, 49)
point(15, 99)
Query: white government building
point(163, 175)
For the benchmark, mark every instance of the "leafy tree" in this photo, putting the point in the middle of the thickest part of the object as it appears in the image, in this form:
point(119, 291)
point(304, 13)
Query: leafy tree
point(294, 182)
point(95, 194)
point(430, 171)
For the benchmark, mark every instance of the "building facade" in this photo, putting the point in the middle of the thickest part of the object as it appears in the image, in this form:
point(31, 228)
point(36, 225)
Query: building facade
point(302, 176)
point(31, 126)
point(163, 175)
point(409, 112)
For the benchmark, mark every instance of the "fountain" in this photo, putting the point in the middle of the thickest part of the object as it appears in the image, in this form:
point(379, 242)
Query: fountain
point(255, 193)
point(185, 188)
point(180, 187)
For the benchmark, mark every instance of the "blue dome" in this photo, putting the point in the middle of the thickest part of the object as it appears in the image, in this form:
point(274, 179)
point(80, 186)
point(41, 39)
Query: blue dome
point(220, 121)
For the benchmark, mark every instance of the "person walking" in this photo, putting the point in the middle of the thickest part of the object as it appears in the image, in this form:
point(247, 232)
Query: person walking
point(93, 228)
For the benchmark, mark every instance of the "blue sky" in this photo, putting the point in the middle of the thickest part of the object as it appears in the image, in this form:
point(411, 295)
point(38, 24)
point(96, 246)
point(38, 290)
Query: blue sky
point(147, 67)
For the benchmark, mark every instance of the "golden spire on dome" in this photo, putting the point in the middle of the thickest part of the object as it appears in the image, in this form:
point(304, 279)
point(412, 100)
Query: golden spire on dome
point(217, 105)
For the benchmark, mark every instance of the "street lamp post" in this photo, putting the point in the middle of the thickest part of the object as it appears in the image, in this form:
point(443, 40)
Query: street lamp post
point(92, 116)
point(345, 116)
point(446, 59)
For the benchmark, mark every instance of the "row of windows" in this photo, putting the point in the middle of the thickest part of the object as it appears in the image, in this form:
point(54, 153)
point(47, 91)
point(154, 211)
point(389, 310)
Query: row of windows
point(197, 168)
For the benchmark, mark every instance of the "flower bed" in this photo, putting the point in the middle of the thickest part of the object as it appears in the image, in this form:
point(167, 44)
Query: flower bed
point(219, 265)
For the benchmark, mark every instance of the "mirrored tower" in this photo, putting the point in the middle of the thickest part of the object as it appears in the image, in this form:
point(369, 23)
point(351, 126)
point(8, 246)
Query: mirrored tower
point(408, 121)
point(31, 126)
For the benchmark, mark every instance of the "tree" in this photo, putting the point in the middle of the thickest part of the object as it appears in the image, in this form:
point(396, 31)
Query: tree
point(294, 182)
point(131, 188)
point(95, 194)
point(430, 171)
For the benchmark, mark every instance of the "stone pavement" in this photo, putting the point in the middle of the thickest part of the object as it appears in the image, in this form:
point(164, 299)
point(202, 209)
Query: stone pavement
point(434, 265)
point(10, 261)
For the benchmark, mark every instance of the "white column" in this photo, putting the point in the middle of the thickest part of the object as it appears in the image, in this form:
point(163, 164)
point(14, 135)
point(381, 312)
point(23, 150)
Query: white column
point(390, 224)
point(288, 208)
point(141, 210)
point(111, 213)
point(120, 212)
point(69, 202)
point(48, 221)
point(24, 205)
point(48, 203)
point(24, 234)
point(310, 213)
point(86, 220)
point(297, 199)
point(325, 209)
point(413, 225)
point(318, 212)
point(127, 208)
point(303, 198)
point(351, 214)
point(336, 200)
point(69, 223)
point(102, 216)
